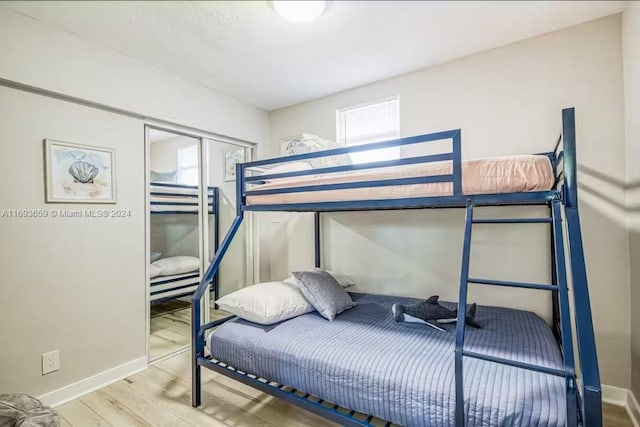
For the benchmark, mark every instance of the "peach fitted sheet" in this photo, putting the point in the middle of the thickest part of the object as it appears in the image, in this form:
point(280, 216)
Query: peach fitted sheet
point(510, 174)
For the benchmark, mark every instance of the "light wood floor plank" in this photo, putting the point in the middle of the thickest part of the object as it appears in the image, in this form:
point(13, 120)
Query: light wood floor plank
point(169, 332)
point(223, 406)
point(248, 398)
point(113, 411)
point(172, 400)
point(159, 347)
point(615, 416)
point(175, 335)
point(80, 415)
point(153, 413)
point(63, 421)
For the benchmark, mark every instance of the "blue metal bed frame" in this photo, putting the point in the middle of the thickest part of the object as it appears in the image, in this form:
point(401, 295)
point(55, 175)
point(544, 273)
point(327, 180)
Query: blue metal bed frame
point(213, 203)
point(584, 407)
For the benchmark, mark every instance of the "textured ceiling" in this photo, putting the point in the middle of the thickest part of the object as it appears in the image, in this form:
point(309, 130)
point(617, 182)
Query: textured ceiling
point(246, 50)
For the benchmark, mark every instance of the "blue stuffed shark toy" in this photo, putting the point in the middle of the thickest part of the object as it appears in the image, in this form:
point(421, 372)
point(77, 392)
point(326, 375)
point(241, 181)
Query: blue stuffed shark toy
point(430, 312)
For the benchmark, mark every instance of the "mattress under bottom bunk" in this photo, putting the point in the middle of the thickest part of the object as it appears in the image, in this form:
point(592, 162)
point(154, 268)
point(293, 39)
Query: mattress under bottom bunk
point(403, 372)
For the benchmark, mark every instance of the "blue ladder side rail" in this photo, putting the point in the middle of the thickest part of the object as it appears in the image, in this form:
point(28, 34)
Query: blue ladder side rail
point(591, 389)
point(561, 286)
point(197, 329)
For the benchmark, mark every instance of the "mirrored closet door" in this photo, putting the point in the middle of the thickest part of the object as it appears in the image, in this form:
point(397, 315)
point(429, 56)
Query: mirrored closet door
point(192, 197)
point(175, 238)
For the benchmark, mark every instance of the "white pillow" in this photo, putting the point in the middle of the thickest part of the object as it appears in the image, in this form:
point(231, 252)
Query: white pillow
point(177, 265)
point(266, 303)
point(344, 280)
point(154, 271)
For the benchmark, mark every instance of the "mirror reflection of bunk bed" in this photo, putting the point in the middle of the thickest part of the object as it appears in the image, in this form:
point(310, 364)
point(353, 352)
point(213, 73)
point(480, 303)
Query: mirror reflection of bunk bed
point(173, 201)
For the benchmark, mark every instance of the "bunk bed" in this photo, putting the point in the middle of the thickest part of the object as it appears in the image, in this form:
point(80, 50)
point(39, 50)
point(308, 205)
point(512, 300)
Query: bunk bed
point(515, 371)
point(176, 199)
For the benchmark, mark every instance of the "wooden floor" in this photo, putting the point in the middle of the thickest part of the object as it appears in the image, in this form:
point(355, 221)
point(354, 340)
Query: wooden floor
point(161, 396)
point(170, 328)
point(615, 416)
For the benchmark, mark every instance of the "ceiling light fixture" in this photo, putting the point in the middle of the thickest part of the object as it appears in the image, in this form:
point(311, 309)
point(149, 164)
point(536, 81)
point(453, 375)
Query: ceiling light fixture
point(300, 11)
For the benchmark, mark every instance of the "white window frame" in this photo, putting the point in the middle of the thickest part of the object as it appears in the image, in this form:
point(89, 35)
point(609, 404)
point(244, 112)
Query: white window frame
point(369, 156)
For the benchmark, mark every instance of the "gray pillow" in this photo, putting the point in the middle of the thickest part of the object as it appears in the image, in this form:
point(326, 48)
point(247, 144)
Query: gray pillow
point(323, 292)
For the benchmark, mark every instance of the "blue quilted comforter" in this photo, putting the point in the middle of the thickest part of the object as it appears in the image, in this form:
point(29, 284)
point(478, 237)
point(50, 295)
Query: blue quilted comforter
point(403, 372)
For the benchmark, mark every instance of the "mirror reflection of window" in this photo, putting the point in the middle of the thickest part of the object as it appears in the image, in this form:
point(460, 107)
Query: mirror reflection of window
point(188, 165)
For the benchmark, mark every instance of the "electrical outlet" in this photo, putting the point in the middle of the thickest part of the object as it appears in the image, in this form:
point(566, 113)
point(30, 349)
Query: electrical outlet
point(50, 362)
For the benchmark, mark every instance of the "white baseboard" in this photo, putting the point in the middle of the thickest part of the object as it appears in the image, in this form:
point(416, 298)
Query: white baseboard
point(633, 409)
point(622, 397)
point(73, 391)
point(614, 395)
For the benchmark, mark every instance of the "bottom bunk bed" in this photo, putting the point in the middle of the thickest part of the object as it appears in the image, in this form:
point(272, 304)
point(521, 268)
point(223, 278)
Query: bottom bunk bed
point(402, 372)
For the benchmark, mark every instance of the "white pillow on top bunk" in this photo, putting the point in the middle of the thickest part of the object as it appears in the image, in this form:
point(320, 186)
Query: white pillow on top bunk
point(266, 303)
point(173, 265)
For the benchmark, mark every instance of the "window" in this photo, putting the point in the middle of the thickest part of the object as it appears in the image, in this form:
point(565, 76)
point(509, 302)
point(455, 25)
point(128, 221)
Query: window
point(373, 122)
point(188, 165)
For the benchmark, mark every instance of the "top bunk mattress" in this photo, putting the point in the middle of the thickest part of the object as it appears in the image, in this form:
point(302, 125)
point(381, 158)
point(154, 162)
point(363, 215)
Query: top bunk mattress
point(404, 372)
point(512, 174)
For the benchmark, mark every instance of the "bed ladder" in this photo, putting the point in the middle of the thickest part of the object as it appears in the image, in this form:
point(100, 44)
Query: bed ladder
point(559, 285)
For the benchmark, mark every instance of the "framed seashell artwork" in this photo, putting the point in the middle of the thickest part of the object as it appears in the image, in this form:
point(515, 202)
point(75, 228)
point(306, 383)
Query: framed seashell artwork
point(77, 173)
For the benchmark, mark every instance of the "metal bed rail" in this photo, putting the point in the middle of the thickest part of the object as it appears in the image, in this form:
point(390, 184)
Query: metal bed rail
point(454, 156)
point(250, 185)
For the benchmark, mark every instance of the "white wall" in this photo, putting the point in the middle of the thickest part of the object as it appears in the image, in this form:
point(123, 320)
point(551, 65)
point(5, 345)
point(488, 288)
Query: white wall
point(36, 54)
point(78, 285)
point(506, 101)
point(631, 47)
point(71, 284)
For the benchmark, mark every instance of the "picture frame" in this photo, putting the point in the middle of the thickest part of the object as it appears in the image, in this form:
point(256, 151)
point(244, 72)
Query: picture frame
point(76, 173)
point(231, 159)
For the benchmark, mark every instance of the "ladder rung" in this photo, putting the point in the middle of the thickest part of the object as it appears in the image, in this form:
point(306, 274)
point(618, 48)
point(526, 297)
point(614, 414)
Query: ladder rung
point(512, 221)
point(513, 284)
point(514, 363)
